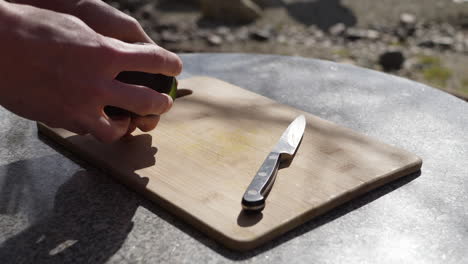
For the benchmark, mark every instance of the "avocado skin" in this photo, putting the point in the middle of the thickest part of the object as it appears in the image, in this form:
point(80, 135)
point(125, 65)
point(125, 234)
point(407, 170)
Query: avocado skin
point(158, 82)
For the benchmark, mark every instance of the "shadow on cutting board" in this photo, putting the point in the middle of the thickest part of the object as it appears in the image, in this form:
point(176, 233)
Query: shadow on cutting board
point(88, 221)
point(131, 153)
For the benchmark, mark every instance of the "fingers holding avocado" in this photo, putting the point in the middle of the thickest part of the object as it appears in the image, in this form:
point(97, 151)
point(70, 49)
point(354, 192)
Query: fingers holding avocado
point(157, 82)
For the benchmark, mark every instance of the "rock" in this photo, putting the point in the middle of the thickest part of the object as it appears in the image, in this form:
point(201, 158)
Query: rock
point(412, 64)
point(291, 41)
point(459, 47)
point(312, 29)
point(281, 39)
point(326, 43)
point(372, 34)
point(337, 29)
point(293, 30)
point(391, 60)
point(214, 40)
point(347, 61)
point(442, 42)
point(407, 26)
point(201, 33)
point(231, 11)
point(160, 27)
point(447, 29)
point(319, 34)
point(230, 38)
point(193, 2)
point(404, 33)
point(407, 19)
point(146, 12)
point(463, 22)
point(426, 44)
point(415, 50)
point(132, 5)
point(459, 37)
point(355, 34)
point(309, 42)
point(261, 35)
point(114, 4)
point(170, 37)
point(223, 31)
point(242, 33)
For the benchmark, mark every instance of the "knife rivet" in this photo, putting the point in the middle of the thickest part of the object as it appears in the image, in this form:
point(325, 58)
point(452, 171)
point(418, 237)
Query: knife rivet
point(263, 174)
point(252, 192)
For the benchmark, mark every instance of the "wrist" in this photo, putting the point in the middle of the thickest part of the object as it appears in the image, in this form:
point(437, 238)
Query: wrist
point(5, 13)
point(62, 6)
point(3, 7)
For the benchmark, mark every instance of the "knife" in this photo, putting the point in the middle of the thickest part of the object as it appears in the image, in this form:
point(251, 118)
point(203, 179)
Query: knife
point(255, 195)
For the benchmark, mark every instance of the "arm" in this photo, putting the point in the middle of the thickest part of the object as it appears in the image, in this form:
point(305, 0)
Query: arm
point(98, 15)
point(109, 22)
point(57, 70)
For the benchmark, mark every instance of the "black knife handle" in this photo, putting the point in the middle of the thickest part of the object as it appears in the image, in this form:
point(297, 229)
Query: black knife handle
point(258, 190)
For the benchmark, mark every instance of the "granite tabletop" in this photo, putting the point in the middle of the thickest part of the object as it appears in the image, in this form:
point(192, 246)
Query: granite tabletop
point(55, 210)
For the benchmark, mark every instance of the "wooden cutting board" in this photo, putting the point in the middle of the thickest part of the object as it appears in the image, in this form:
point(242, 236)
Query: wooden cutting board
point(199, 160)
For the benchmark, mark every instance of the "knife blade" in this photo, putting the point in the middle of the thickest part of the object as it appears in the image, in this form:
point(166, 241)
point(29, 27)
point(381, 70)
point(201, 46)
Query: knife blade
point(258, 190)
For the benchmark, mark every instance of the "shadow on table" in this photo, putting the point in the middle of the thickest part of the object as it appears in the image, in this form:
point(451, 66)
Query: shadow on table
point(89, 222)
point(322, 13)
point(89, 218)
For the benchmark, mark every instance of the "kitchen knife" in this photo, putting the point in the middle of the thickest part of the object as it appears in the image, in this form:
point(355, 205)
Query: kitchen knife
point(255, 195)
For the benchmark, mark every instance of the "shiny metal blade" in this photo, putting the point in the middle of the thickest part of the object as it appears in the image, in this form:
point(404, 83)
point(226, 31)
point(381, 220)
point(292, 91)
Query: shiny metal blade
point(291, 137)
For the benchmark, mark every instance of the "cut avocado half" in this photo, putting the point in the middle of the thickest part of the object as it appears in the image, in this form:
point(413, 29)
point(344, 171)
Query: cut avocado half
point(173, 92)
point(158, 82)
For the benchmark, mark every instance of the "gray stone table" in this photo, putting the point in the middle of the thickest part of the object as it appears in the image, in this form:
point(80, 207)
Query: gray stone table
point(55, 210)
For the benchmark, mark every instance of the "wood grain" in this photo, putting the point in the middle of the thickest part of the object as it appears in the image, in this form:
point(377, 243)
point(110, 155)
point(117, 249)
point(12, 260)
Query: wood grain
point(205, 151)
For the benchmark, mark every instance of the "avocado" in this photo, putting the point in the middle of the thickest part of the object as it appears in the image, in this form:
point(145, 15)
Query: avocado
point(158, 82)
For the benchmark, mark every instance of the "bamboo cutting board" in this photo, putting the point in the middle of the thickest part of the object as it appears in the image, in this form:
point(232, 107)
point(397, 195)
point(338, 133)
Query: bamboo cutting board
point(199, 160)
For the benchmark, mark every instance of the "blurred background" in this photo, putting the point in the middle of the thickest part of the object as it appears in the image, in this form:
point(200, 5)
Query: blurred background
point(423, 40)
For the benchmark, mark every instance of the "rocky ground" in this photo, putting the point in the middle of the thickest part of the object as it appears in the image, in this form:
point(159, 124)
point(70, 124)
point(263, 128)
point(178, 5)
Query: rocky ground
point(423, 40)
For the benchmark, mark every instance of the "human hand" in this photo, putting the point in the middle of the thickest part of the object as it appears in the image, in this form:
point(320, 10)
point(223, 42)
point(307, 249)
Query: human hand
point(57, 70)
point(110, 22)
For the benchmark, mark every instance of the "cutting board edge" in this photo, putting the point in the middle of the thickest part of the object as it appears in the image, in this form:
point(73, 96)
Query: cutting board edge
point(238, 244)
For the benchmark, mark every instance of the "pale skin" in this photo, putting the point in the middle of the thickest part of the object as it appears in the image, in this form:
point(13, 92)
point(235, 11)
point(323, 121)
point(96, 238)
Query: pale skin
point(59, 59)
